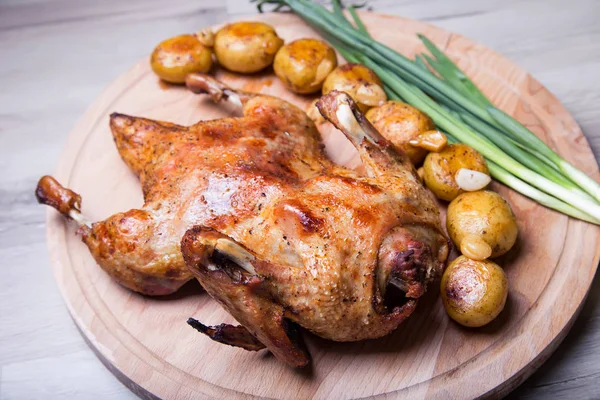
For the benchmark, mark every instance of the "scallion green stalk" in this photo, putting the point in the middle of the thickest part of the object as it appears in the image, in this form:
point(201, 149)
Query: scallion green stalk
point(502, 175)
point(490, 151)
point(516, 156)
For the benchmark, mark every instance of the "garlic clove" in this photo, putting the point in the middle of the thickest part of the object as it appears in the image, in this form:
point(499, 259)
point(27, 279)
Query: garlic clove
point(470, 180)
point(430, 140)
point(313, 113)
point(206, 37)
point(421, 174)
point(475, 248)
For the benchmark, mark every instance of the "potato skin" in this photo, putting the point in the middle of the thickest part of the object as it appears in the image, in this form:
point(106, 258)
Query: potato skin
point(360, 82)
point(473, 292)
point(399, 123)
point(440, 169)
point(178, 56)
point(246, 47)
point(303, 64)
point(486, 214)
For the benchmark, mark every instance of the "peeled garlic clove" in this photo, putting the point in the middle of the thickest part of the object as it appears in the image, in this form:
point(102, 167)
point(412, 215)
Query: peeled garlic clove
point(313, 113)
point(371, 95)
point(430, 140)
point(471, 181)
point(475, 248)
point(421, 173)
point(206, 37)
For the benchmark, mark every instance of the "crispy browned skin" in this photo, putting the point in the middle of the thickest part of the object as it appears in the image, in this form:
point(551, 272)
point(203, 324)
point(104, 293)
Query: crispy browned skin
point(51, 193)
point(140, 248)
point(228, 334)
point(281, 235)
point(323, 242)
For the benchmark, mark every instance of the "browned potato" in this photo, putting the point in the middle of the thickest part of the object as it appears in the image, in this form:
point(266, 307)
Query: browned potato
point(482, 215)
point(399, 123)
point(362, 84)
point(303, 64)
point(473, 292)
point(176, 57)
point(440, 169)
point(246, 47)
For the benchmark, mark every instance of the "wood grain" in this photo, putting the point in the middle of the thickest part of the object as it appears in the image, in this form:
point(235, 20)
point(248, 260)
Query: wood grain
point(428, 357)
point(59, 54)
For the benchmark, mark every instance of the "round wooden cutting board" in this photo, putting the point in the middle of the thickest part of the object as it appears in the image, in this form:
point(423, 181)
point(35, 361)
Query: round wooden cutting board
point(148, 345)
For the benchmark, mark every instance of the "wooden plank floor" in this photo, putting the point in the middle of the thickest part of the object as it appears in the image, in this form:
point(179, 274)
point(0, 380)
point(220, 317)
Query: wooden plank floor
point(56, 57)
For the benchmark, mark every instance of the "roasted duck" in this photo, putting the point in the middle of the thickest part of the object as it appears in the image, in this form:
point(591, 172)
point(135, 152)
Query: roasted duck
point(273, 230)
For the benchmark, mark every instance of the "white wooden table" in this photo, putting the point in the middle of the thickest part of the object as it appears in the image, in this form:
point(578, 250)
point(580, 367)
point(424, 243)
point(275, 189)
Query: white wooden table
point(57, 55)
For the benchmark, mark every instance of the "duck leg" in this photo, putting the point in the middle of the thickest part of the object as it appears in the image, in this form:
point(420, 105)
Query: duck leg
point(281, 113)
point(206, 84)
point(405, 257)
point(123, 245)
point(376, 152)
point(65, 201)
point(231, 275)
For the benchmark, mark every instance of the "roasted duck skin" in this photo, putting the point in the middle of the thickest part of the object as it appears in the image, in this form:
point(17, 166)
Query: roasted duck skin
point(343, 255)
point(273, 230)
point(178, 169)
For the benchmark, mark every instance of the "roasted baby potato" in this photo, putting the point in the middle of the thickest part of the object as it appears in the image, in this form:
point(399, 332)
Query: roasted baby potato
point(483, 215)
point(400, 123)
point(362, 84)
point(178, 56)
point(246, 47)
point(440, 169)
point(473, 292)
point(303, 64)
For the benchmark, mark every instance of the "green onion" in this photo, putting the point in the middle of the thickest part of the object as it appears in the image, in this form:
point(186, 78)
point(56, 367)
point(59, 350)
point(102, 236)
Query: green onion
point(502, 175)
point(520, 155)
point(449, 71)
point(464, 133)
point(452, 73)
point(515, 155)
point(579, 177)
point(359, 25)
